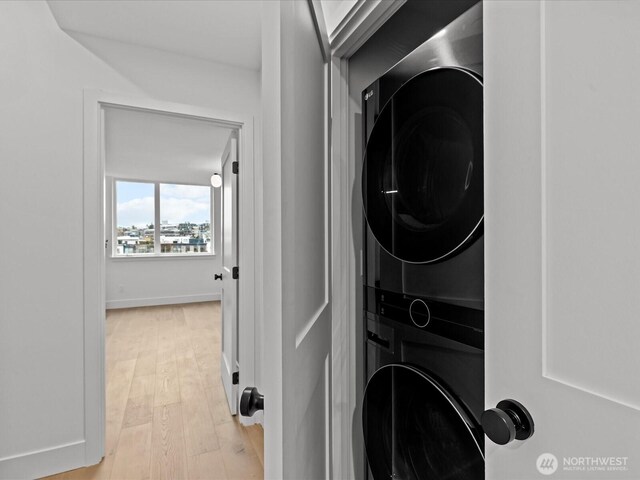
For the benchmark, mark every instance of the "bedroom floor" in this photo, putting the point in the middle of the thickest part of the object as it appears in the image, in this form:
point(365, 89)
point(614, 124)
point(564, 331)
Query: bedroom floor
point(167, 414)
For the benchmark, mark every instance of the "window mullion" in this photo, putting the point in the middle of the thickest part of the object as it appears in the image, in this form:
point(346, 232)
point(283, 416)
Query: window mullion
point(113, 241)
point(157, 246)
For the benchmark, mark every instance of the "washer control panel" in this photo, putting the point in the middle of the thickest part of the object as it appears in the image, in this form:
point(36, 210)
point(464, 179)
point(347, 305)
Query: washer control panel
point(463, 324)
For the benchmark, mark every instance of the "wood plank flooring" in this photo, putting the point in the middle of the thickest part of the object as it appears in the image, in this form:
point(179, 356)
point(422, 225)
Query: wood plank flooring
point(167, 414)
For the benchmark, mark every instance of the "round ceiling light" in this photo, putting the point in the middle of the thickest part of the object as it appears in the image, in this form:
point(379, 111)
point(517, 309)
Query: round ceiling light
point(216, 180)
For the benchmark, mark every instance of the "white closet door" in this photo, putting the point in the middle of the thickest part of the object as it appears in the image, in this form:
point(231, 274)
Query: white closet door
point(297, 306)
point(562, 173)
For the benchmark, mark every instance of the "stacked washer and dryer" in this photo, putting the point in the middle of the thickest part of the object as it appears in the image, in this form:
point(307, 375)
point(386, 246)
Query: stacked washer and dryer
point(422, 190)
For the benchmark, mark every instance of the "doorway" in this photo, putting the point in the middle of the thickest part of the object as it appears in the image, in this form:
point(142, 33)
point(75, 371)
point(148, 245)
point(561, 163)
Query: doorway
point(168, 321)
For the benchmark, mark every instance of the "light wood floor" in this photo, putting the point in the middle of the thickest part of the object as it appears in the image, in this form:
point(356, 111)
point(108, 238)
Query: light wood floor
point(167, 414)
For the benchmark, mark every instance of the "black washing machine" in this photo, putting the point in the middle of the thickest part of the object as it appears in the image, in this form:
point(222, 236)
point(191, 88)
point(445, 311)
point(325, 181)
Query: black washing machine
point(422, 187)
point(425, 390)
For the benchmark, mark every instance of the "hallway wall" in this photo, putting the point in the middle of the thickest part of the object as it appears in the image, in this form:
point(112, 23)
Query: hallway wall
point(41, 266)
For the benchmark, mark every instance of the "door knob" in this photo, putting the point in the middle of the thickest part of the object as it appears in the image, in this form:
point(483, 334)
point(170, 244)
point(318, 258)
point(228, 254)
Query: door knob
point(507, 422)
point(251, 401)
point(217, 276)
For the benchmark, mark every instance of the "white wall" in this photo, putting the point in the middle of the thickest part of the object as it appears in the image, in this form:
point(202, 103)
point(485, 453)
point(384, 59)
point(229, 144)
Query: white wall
point(44, 72)
point(177, 78)
point(133, 282)
point(335, 11)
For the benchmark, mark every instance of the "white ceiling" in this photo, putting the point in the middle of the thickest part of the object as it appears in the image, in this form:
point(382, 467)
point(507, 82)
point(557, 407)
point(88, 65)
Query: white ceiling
point(223, 31)
point(150, 146)
point(334, 12)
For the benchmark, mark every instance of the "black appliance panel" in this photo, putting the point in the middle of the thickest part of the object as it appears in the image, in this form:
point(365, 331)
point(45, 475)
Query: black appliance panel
point(446, 361)
point(458, 281)
point(423, 421)
point(465, 325)
point(415, 429)
point(423, 168)
point(458, 360)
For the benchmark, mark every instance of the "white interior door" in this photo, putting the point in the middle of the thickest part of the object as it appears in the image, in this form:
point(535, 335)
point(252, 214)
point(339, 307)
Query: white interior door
point(562, 173)
point(297, 329)
point(229, 356)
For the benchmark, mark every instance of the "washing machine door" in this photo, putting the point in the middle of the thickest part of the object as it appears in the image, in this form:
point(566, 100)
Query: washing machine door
point(414, 429)
point(422, 178)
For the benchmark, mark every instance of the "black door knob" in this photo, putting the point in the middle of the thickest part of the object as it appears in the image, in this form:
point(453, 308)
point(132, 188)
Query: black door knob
point(507, 422)
point(217, 276)
point(251, 401)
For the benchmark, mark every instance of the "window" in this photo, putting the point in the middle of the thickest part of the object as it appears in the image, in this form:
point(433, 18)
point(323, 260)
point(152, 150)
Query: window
point(185, 218)
point(162, 219)
point(135, 215)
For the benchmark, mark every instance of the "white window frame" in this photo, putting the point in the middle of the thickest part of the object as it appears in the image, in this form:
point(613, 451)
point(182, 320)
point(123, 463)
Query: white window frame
point(157, 246)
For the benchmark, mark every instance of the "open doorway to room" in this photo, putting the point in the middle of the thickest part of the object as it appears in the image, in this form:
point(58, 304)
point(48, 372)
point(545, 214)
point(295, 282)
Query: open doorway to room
point(166, 412)
point(165, 221)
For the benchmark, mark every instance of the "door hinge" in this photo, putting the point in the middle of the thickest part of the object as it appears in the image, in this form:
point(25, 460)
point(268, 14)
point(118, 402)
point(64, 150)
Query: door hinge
point(235, 273)
point(235, 378)
point(235, 167)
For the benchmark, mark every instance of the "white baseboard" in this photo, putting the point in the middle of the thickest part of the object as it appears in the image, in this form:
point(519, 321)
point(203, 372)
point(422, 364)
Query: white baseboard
point(43, 462)
point(149, 302)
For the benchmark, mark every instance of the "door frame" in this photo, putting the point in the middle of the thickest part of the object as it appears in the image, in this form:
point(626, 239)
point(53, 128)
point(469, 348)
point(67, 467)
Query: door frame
point(95, 101)
point(358, 25)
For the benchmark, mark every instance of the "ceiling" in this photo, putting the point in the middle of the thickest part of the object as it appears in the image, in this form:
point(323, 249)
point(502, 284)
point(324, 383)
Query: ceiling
point(334, 11)
point(151, 146)
point(222, 31)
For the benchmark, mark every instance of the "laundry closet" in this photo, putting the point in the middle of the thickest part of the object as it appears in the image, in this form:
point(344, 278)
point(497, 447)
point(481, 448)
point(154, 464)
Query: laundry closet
point(520, 318)
point(419, 150)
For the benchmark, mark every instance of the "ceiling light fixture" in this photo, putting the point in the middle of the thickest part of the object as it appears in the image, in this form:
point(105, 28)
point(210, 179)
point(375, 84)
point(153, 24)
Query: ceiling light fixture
point(216, 180)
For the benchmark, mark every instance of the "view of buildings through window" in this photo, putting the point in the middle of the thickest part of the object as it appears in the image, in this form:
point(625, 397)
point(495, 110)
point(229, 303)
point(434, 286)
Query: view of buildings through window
point(184, 218)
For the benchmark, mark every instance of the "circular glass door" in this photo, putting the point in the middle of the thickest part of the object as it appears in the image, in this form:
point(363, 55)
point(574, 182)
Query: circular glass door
point(413, 429)
point(422, 180)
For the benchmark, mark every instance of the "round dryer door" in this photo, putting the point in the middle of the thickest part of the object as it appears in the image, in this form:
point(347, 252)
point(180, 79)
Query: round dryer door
point(422, 180)
point(414, 429)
